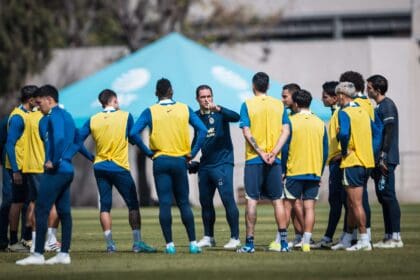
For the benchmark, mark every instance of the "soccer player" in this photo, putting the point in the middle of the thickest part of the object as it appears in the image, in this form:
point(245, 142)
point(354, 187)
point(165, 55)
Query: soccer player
point(110, 130)
point(336, 194)
point(297, 211)
point(383, 173)
point(32, 170)
point(168, 122)
point(304, 158)
point(59, 135)
point(265, 126)
point(17, 137)
point(363, 101)
point(216, 167)
point(357, 146)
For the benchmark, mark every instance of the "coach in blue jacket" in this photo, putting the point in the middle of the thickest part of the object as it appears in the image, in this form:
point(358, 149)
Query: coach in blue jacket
point(216, 167)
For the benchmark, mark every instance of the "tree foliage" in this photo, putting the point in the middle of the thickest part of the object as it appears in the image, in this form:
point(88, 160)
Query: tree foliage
point(25, 31)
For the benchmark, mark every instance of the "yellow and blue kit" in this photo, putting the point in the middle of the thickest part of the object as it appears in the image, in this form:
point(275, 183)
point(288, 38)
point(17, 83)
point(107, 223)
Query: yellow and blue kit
point(16, 139)
point(110, 132)
point(304, 155)
point(306, 150)
point(265, 116)
point(170, 144)
point(59, 134)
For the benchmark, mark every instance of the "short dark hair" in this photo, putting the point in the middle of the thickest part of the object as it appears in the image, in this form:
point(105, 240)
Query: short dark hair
point(302, 98)
point(27, 92)
point(163, 87)
point(47, 90)
point(329, 88)
point(105, 96)
point(201, 87)
point(354, 77)
point(292, 88)
point(261, 81)
point(379, 83)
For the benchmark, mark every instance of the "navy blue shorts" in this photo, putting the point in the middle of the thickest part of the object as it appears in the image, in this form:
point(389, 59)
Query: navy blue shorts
point(355, 176)
point(263, 181)
point(19, 192)
point(301, 189)
point(33, 180)
point(125, 185)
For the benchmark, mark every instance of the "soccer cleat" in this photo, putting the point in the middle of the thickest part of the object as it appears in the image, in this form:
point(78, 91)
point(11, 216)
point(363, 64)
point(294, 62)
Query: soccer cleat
point(340, 246)
point(389, 244)
point(52, 246)
point(60, 258)
point(322, 244)
point(232, 244)
point(170, 250)
point(312, 243)
point(26, 243)
point(33, 259)
point(284, 246)
point(110, 247)
point(296, 243)
point(380, 243)
point(274, 246)
point(306, 247)
point(246, 249)
point(360, 246)
point(143, 247)
point(195, 249)
point(18, 247)
point(206, 241)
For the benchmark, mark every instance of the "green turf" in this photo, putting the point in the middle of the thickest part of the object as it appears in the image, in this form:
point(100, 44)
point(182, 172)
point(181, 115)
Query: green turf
point(89, 261)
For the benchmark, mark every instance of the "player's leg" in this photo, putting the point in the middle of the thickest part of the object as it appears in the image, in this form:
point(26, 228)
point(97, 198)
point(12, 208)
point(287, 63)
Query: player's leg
point(208, 214)
point(104, 183)
point(125, 185)
point(224, 181)
point(181, 192)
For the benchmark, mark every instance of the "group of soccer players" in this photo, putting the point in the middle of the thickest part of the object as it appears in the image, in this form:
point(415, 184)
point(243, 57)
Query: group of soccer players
point(287, 148)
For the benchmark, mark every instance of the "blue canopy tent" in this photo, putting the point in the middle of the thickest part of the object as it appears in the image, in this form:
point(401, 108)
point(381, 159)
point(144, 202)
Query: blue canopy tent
point(184, 62)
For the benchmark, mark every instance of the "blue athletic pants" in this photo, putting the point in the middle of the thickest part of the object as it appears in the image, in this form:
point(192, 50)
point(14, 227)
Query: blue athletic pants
point(171, 180)
point(220, 178)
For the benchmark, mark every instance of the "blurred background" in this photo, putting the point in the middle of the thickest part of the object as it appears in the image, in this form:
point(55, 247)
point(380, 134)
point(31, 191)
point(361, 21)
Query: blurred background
point(84, 46)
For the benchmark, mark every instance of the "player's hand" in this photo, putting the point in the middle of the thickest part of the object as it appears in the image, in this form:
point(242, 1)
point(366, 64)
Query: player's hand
point(48, 165)
point(17, 178)
point(193, 167)
point(188, 157)
point(383, 163)
point(271, 157)
point(213, 107)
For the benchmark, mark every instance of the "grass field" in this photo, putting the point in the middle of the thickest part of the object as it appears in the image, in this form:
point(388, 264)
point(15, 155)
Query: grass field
point(89, 261)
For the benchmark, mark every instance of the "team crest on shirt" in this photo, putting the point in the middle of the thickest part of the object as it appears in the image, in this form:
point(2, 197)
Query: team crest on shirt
point(211, 132)
point(211, 120)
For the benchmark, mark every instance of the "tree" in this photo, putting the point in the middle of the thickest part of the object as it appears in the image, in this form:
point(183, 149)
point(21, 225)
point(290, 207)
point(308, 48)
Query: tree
point(145, 20)
point(25, 31)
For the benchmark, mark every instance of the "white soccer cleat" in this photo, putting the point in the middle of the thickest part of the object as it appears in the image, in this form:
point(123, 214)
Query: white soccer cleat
point(360, 246)
point(322, 244)
point(340, 246)
point(232, 244)
point(52, 246)
point(33, 259)
point(296, 243)
point(60, 258)
point(18, 247)
point(206, 241)
point(389, 244)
